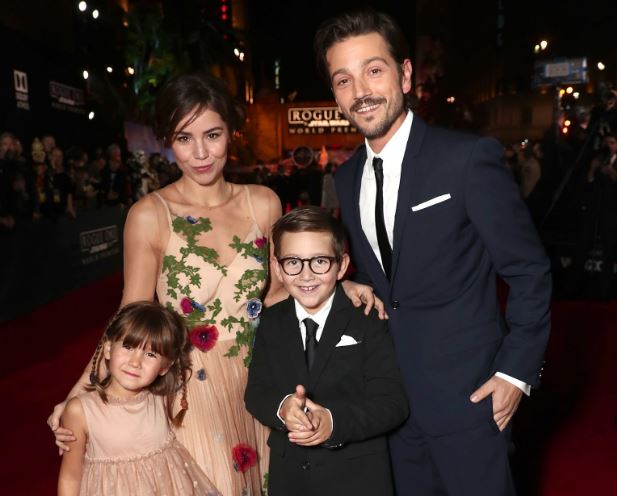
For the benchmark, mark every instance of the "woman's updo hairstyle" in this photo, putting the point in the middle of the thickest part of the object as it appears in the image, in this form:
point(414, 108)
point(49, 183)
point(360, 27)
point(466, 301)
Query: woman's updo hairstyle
point(191, 94)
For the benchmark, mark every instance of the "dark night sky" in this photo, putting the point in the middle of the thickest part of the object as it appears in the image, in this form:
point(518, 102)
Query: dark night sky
point(286, 29)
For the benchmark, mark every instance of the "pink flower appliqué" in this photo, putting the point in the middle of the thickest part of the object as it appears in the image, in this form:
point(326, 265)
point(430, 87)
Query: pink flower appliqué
point(244, 457)
point(186, 305)
point(204, 337)
point(261, 242)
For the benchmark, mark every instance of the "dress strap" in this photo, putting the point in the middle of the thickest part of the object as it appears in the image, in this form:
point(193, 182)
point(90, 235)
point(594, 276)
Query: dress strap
point(248, 199)
point(166, 207)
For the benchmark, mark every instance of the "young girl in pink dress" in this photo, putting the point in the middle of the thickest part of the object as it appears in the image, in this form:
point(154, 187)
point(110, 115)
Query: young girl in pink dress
point(125, 444)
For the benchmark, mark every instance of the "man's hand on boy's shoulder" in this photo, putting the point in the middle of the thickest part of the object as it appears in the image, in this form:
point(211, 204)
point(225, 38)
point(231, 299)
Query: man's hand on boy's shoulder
point(362, 294)
point(321, 420)
point(292, 411)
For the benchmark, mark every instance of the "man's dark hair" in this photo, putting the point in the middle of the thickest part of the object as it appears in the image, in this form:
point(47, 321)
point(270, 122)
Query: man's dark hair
point(356, 23)
point(312, 219)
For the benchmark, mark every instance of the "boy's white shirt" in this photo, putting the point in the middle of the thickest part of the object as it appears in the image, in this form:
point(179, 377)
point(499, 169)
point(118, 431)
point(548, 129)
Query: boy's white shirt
point(319, 318)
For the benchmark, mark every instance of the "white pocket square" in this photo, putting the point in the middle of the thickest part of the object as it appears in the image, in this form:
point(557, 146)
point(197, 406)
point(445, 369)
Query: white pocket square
point(346, 341)
point(431, 202)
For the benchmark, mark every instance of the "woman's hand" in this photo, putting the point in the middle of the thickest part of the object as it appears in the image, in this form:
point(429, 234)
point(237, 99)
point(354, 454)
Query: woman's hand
point(362, 294)
point(61, 434)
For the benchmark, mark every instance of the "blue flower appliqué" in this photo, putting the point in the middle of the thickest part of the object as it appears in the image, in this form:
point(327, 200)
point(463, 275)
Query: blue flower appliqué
point(191, 220)
point(198, 306)
point(258, 259)
point(201, 375)
point(253, 308)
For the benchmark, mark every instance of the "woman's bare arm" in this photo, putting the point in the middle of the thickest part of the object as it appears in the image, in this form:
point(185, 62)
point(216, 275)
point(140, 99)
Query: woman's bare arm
point(142, 251)
point(276, 292)
point(69, 480)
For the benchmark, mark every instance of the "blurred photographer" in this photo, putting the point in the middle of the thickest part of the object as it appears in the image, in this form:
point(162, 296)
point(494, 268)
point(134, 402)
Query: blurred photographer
point(604, 116)
point(599, 212)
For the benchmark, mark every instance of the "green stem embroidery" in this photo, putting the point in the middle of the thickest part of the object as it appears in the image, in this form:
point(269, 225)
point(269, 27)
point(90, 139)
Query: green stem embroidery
point(248, 286)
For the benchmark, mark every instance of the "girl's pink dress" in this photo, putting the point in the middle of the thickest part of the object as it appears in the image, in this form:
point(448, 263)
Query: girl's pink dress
point(131, 450)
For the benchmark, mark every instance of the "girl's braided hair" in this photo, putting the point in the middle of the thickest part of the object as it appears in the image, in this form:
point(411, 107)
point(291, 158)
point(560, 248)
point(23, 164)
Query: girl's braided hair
point(147, 323)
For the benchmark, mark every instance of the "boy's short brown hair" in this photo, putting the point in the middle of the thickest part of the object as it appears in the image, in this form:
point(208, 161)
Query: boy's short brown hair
point(311, 219)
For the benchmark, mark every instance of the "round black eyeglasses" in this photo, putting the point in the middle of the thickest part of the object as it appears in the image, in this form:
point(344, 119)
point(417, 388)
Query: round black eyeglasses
point(292, 266)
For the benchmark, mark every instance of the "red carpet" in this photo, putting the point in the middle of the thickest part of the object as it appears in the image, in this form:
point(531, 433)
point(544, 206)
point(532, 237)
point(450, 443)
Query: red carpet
point(581, 458)
point(565, 435)
point(45, 352)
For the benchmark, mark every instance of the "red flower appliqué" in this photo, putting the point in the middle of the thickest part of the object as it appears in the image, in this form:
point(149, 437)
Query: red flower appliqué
point(186, 305)
point(204, 337)
point(261, 242)
point(244, 457)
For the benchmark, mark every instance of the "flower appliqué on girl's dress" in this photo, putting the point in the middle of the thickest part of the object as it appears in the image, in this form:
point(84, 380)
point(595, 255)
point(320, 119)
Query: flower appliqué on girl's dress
point(191, 220)
point(200, 375)
point(204, 337)
point(244, 457)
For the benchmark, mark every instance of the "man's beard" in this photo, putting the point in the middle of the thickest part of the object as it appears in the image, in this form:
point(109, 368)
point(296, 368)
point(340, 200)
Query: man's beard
point(380, 128)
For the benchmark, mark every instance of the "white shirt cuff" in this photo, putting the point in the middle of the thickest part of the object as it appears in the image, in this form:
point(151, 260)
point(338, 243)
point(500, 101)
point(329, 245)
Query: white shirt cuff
point(523, 386)
point(331, 421)
point(278, 411)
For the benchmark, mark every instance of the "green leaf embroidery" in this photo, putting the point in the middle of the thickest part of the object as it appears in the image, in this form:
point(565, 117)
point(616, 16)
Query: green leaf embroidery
point(247, 287)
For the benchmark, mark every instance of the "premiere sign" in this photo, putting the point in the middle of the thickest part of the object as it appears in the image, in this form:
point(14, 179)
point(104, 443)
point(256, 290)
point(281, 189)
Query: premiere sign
point(99, 243)
point(20, 80)
point(68, 98)
point(318, 120)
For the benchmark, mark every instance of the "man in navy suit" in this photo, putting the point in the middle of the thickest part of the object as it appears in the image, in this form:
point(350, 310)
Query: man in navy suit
point(433, 216)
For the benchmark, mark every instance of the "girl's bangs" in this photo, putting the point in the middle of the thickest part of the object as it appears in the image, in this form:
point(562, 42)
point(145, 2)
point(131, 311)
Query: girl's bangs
point(148, 332)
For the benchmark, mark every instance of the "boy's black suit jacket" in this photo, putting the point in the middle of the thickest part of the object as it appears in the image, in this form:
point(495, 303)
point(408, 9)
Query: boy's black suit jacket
point(360, 384)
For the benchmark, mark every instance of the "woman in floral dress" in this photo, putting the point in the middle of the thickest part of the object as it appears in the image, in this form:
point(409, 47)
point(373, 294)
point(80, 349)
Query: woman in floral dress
point(201, 245)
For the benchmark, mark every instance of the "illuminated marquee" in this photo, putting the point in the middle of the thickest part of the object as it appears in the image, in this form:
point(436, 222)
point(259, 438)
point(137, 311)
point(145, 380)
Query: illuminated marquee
point(318, 120)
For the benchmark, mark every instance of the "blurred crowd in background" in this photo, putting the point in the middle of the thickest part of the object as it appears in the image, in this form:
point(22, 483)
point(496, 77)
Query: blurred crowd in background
point(568, 180)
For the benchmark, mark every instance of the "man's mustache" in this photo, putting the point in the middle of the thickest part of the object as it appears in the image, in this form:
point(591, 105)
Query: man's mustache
point(366, 102)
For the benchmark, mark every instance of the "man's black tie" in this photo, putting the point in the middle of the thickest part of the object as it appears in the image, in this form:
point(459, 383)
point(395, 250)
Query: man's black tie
point(380, 224)
point(311, 342)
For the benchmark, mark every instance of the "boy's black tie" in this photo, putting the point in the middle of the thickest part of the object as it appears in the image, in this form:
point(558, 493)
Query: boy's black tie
point(311, 342)
point(380, 224)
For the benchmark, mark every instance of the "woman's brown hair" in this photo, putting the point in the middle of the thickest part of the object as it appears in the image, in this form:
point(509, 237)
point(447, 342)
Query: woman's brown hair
point(189, 95)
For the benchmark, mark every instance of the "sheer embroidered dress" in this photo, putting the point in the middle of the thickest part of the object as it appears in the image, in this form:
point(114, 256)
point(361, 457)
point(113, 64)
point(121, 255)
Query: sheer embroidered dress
point(221, 305)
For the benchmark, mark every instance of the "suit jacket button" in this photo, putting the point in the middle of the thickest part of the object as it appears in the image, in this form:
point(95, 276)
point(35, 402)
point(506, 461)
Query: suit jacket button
point(306, 466)
point(396, 304)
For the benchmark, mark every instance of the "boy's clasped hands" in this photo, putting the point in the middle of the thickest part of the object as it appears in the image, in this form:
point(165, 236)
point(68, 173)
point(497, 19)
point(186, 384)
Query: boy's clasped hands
point(308, 423)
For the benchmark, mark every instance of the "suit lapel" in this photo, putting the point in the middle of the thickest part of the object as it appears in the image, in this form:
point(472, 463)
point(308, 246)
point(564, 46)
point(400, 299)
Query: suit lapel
point(408, 169)
point(290, 328)
point(336, 323)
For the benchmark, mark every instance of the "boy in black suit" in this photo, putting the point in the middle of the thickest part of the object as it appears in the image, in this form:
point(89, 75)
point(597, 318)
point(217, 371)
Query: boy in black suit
point(323, 375)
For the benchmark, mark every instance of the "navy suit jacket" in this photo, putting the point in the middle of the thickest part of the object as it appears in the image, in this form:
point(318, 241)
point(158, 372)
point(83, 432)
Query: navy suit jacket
point(442, 300)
